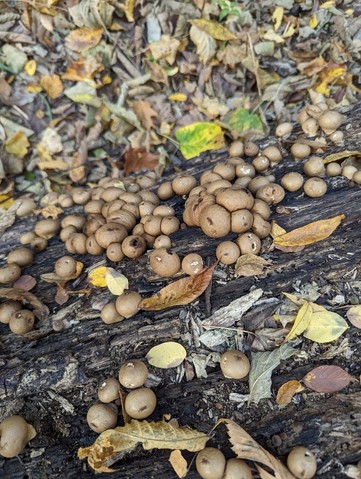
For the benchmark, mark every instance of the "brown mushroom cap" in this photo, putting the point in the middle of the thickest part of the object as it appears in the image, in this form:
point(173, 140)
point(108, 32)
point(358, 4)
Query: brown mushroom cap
point(7, 309)
point(80, 195)
point(245, 169)
point(165, 190)
point(183, 184)
point(236, 148)
point(115, 252)
point(38, 244)
point(127, 303)
point(241, 221)
point(273, 153)
point(300, 151)
point(9, 273)
point(292, 181)
point(110, 315)
point(261, 163)
point(315, 187)
point(235, 198)
point(134, 246)
point(21, 322)
point(333, 169)
point(21, 256)
point(47, 228)
point(65, 266)
point(227, 252)
point(314, 166)
point(152, 225)
point(302, 463)
point(164, 263)
point(272, 193)
point(26, 238)
point(348, 171)
point(147, 195)
point(140, 403)
point(15, 433)
point(356, 178)
point(108, 390)
point(284, 129)
point(329, 121)
point(162, 241)
point(237, 469)
point(101, 417)
point(251, 149)
point(192, 264)
point(92, 246)
point(133, 374)
point(66, 232)
point(226, 170)
point(93, 223)
point(260, 226)
point(210, 463)
point(26, 207)
point(234, 364)
point(256, 183)
point(262, 208)
point(77, 221)
point(249, 243)
point(110, 233)
point(169, 225)
point(215, 221)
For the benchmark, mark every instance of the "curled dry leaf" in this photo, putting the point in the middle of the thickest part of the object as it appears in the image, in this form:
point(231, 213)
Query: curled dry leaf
point(250, 265)
point(39, 309)
point(178, 463)
point(354, 316)
point(166, 355)
point(55, 278)
point(302, 321)
point(25, 282)
point(310, 233)
point(113, 444)
point(245, 447)
point(180, 292)
point(287, 391)
point(327, 379)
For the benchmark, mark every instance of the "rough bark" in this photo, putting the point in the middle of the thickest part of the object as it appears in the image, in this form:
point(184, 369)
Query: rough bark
point(51, 376)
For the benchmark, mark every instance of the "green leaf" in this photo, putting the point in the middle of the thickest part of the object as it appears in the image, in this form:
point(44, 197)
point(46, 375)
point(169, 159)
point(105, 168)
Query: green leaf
point(199, 137)
point(325, 327)
point(83, 93)
point(242, 120)
point(262, 365)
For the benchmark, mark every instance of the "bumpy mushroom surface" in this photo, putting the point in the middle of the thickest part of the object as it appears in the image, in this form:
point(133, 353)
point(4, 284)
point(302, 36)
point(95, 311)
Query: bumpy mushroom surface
point(215, 221)
point(164, 262)
point(15, 433)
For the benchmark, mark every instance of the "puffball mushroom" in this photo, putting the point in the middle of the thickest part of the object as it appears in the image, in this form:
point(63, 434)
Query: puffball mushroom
point(108, 390)
point(133, 374)
point(234, 364)
point(302, 463)
point(140, 403)
point(329, 121)
point(101, 417)
point(237, 469)
point(210, 463)
point(15, 433)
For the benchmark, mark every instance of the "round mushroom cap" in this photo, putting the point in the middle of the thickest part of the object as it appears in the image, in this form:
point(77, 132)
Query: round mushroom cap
point(237, 469)
point(315, 187)
point(215, 221)
point(15, 433)
point(164, 263)
point(302, 463)
point(227, 252)
point(192, 264)
point(108, 390)
point(101, 417)
point(140, 403)
point(235, 198)
point(210, 463)
point(127, 303)
point(133, 374)
point(234, 364)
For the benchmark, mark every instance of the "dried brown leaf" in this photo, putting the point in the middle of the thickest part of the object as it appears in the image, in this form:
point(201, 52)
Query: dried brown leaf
point(145, 113)
point(287, 391)
point(250, 265)
point(55, 278)
point(53, 85)
point(310, 233)
point(84, 38)
point(180, 292)
point(40, 310)
point(327, 379)
point(25, 282)
point(113, 444)
point(137, 159)
point(245, 447)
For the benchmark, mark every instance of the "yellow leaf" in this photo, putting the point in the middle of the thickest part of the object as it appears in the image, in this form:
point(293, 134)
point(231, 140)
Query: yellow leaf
point(328, 4)
point(199, 137)
point(178, 463)
point(178, 97)
point(33, 88)
point(53, 86)
point(115, 443)
point(180, 292)
point(115, 281)
point(325, 327)
point(166, 355)
point(277, 17)
point(290, 30)
point(287, 391)
point(294, 299)
point(310, 233)
point(272, 36)
point(341, 155)
point(30, 67)
point(331, 77)
point(6, 201)
point(129, 10)
point(83, 39)
point(53, 165)
point(96, 277)
point(302, 321)
point(17, 145)
point(354, 316)
point(214, 29)
point(276, 229)
point(313, 21)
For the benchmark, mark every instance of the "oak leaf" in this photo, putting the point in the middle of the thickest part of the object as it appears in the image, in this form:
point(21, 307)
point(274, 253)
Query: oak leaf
point(245, 447)
point(137, 159)
point(183, 291)
point(310, 233)
point(145, 113)
point(113, 444)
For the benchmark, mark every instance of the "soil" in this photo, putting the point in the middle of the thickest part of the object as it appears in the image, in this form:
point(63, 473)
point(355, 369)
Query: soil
point(50, 376)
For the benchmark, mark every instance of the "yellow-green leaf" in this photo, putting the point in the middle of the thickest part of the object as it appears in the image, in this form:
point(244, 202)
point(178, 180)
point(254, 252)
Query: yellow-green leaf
point(325, 327)
point(116, 281)
point(214, 29)
point(277, 17)
point(30, 67)
point(83, 93)
point(166, 355)
point(354, 316)
point(96, 277)
point(198, 137)
point(310, 233)
point(241, 120)
point(313, 21)
point(341, 155)
point(302, 321)
point(17, 145)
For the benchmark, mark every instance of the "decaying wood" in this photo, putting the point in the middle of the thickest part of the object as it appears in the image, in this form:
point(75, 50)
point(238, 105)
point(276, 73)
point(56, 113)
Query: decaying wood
point(51, 376)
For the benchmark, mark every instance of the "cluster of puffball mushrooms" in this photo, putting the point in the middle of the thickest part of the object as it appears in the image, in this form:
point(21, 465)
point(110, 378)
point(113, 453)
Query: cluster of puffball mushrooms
point(124, 219)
